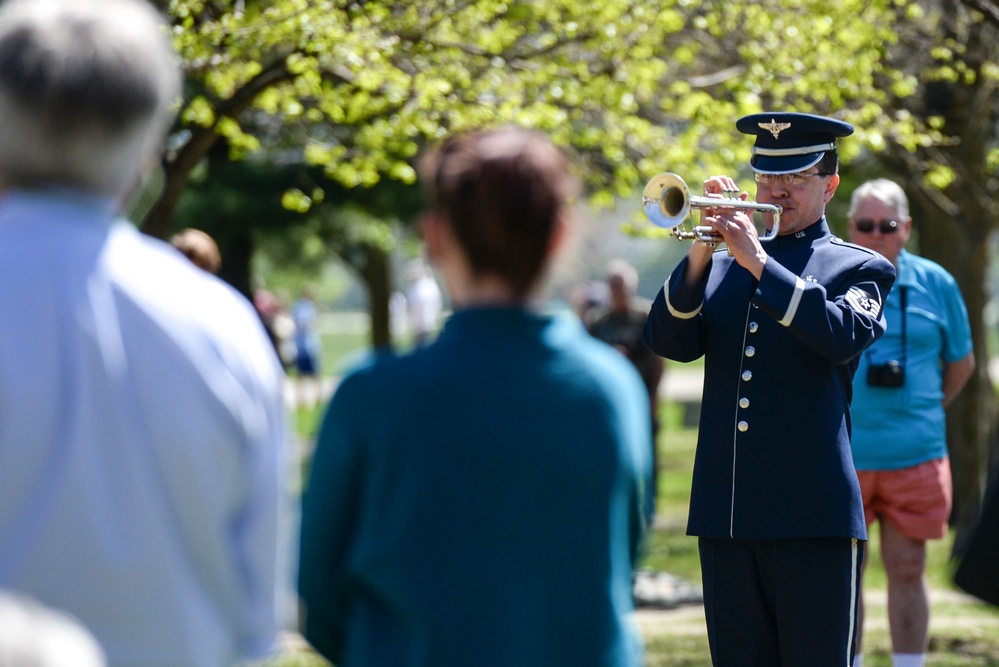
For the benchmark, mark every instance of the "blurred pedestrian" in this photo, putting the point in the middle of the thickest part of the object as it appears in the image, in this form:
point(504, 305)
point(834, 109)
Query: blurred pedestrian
point(398, 313)
point(903, 384)
point(198, 247)
point(424, 303)
point(478, 502)
point(140, 400)
point(621, 325)
point(589, 297)
point(308, 347)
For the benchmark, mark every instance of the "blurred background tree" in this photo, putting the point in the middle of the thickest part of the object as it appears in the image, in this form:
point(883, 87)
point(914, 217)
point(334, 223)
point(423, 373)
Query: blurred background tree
point(339, 98)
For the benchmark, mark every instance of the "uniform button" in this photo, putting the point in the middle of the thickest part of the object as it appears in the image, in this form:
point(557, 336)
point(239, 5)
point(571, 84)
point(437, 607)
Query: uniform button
point(743, 427)
point(750, 351)
point(744, 403)
point(747, 376)
point(753, 326)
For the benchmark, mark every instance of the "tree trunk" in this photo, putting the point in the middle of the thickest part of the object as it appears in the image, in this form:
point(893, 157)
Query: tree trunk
point(953, 226)
point(377, 276)
point(237, 255)
point(955, 243)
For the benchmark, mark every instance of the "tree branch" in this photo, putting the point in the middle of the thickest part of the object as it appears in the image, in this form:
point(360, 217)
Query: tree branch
point(179, 167)
point(986, 7)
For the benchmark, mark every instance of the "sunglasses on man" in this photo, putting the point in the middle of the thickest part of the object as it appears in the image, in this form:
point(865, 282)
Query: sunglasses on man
point(866, 226)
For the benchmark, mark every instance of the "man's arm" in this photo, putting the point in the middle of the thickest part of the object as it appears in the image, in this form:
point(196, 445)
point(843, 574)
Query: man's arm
point(674, 327)
point(958, 353)
point(698, 260)
point(955, 375)
point(838, 321)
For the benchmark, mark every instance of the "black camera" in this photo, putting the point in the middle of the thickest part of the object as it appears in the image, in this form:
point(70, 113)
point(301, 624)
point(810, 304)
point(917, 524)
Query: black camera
point(891, 374)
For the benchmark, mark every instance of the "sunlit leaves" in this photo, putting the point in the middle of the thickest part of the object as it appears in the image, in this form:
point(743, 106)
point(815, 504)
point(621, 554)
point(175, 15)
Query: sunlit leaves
point(199, 111)
point(992, 160)
point(240, 143)
point(224, 81)
point(632, 87)
point(296, 200)
point(940, 177)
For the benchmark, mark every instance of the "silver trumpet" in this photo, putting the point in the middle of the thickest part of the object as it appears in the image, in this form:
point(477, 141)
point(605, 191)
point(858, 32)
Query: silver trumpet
point(667, 203)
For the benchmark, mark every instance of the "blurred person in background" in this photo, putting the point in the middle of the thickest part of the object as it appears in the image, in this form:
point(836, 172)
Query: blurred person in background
point(141, 420)
point(588, 297)
point(479, 501)
point(903, 384)
point(424, 303)
point(198, 247)
point(308, 348)
point(621, 324)
point(398, 314)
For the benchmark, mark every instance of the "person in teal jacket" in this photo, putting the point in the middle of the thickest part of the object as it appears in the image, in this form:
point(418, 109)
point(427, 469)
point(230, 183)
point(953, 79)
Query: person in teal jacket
point(479, 502)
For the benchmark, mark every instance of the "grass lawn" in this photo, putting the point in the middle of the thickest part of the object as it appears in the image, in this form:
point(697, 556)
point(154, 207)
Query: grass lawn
point(963, 632)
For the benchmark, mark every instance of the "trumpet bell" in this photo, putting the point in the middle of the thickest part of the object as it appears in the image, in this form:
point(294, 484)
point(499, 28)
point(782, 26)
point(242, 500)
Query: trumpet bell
point(667, 203)
point(666, 199)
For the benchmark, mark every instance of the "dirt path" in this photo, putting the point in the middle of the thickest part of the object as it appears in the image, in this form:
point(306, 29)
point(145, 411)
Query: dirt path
point(950, 610)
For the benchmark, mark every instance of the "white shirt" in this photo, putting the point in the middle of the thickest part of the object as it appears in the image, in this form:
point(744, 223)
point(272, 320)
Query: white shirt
point(140, 432)
point(425, 303)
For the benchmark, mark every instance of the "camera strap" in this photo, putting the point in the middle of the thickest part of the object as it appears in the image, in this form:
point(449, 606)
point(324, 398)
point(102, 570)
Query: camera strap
point(904, 298)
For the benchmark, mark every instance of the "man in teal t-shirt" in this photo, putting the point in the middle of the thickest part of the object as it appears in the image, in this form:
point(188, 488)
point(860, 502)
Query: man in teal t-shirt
point(903, 383)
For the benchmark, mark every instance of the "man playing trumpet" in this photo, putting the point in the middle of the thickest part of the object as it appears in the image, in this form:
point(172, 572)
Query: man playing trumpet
point(775, 501)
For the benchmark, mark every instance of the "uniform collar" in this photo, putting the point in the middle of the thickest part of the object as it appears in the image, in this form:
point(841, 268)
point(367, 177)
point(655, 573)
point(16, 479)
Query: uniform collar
point(803, 237)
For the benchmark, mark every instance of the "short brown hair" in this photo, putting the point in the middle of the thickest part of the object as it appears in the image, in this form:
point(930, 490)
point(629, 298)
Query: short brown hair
point(198, 247)
point(502, 192)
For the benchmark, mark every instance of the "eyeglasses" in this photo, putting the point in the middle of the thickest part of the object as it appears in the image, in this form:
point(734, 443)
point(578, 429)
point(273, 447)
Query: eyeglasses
point(786, 179)
point(866, 226)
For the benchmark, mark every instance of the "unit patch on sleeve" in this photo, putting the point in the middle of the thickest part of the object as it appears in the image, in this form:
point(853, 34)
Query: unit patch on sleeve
point(865, 298)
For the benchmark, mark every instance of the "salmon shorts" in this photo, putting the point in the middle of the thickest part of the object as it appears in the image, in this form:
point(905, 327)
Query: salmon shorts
point(916, 500)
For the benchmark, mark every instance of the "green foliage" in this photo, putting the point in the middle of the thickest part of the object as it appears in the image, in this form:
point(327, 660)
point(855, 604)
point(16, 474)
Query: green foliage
point(358, 88)
point(631, 88)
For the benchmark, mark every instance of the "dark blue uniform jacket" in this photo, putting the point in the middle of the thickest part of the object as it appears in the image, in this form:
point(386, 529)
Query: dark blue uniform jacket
point(773, 450)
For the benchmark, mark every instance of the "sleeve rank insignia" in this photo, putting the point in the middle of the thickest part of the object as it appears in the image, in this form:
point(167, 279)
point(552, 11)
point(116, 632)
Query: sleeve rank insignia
point(863, 301)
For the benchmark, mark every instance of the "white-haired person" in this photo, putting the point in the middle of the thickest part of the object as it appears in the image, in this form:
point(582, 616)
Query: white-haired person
point(903, 384)
point(140, 400)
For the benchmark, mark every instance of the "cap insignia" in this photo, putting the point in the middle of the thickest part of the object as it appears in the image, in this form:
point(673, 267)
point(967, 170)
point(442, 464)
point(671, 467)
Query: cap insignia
point(774, 127)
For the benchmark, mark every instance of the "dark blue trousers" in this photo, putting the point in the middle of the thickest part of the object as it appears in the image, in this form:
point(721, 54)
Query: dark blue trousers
point(781, 603)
